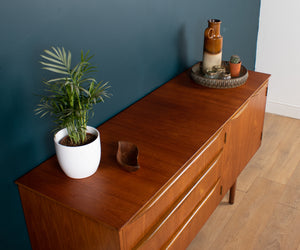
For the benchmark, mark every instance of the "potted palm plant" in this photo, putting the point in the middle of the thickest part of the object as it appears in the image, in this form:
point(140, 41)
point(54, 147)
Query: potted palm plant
point(70, 98)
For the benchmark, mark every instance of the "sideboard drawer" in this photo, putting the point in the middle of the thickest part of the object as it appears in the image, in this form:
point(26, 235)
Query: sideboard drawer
point(189, 228)
point(183, 209)
point(172, 206)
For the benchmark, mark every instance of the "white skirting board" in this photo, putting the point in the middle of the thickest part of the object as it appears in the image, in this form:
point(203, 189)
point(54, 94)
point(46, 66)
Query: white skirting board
point(283, 109)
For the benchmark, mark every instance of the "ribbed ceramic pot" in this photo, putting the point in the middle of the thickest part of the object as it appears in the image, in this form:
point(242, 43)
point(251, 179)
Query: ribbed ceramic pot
point(80, 161)
point(213, 43)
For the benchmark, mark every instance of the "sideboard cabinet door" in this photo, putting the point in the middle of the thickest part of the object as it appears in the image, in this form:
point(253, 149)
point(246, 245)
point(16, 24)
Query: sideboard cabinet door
point(243, 136)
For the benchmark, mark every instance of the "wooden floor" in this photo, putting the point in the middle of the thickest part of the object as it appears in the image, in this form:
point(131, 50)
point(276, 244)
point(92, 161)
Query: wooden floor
point(266, 213)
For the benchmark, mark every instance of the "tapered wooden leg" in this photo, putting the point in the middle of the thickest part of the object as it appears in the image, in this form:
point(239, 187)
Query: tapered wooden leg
point(232, 193)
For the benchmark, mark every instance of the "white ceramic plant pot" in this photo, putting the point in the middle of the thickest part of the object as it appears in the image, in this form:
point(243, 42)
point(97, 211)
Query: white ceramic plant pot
point(81, 161)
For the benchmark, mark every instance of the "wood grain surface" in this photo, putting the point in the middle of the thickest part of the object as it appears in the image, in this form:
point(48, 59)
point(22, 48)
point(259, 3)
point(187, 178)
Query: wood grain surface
point(171, 127)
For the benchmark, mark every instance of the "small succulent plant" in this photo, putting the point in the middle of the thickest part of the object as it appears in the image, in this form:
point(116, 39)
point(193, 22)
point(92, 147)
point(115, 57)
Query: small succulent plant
point(235, 59)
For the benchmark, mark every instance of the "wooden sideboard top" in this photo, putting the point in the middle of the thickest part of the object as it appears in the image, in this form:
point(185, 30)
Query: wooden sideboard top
point(169, 126)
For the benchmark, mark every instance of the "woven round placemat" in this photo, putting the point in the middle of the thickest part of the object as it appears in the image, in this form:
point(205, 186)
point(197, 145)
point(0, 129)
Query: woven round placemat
point(198, 77)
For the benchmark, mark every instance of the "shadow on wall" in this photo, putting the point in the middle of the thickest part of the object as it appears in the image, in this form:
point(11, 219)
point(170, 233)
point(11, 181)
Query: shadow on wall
point(182, 49)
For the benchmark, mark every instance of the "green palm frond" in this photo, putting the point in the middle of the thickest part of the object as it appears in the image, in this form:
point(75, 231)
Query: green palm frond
point(70, 97)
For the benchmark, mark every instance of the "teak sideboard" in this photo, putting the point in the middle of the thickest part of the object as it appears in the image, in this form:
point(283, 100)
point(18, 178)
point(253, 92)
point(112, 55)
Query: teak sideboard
point(193, 143)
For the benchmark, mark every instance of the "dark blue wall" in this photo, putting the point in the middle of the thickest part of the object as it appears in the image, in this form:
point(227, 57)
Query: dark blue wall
point(138, 45)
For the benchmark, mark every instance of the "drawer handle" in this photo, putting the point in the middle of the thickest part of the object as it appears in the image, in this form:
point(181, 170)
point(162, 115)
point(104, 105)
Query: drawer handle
point(258, 92)
point(179, 201)
point(191, 216)
point(237, 115)
point(171, 182)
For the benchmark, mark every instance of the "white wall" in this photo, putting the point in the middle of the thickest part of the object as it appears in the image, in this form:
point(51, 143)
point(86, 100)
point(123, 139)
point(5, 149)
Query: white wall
point(278, 53)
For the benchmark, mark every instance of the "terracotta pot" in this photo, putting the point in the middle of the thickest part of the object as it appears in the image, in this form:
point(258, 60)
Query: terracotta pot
point(80, 161)
point(235, 69)
point(213, 43)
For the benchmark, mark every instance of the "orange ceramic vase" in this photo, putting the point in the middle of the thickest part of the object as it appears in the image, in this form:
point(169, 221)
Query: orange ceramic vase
point(213, 43)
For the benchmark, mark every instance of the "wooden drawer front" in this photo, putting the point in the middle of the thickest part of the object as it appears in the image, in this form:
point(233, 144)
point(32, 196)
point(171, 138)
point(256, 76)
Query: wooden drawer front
point(189, 228)
point(182, 210)
point(171, 206)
